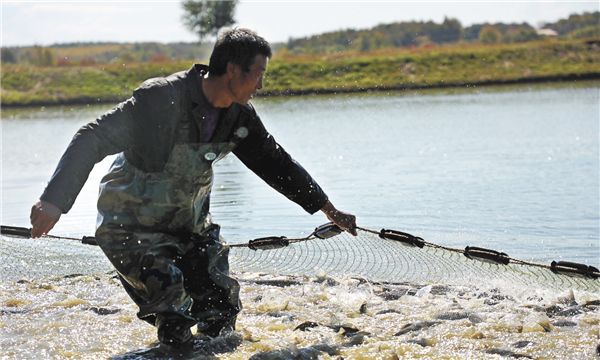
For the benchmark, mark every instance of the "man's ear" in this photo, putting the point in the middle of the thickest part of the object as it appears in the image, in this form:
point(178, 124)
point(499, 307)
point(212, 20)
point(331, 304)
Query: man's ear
point(231, 68)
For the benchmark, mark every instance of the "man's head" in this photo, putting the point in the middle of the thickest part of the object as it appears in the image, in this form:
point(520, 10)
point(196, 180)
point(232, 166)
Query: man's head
point(239, 47)
point(239, 60)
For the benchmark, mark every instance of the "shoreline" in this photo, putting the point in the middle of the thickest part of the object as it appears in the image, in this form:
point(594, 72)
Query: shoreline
point(341, 90)
point(445, 85)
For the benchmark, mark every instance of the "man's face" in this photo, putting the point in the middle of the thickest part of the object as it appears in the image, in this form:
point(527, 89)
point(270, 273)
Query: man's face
point(243, 85)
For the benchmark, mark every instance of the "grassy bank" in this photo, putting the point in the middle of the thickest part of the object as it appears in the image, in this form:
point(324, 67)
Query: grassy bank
point(28, 85)
point(457, 65)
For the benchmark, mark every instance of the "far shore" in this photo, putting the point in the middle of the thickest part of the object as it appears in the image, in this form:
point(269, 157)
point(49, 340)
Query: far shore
point(340, 91)
point(460, 66)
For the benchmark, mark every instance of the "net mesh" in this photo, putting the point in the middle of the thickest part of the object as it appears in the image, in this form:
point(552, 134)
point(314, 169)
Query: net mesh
point(366, 256)
point(376, 259)
point(26, 259)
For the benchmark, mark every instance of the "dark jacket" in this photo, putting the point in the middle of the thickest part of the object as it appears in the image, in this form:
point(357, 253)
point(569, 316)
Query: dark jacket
point(144, 128)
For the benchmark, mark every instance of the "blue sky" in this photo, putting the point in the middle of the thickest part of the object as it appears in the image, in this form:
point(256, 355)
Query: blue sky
point(47, 22)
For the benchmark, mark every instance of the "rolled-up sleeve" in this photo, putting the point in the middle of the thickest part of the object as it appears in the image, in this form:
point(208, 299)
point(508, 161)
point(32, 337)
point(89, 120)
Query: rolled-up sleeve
point(109, 134)
point(266, 158)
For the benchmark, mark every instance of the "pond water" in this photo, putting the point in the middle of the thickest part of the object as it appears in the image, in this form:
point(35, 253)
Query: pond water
point(513, 169)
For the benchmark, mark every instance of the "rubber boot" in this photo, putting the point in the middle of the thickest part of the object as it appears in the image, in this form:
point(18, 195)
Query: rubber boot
point(172, 331)
point(218, 328)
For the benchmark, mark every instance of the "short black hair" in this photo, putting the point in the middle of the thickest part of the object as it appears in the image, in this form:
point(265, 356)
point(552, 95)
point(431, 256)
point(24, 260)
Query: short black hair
point(238, 46)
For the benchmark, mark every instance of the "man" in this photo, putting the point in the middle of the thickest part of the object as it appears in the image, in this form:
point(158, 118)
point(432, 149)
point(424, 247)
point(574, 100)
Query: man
point(154, 223)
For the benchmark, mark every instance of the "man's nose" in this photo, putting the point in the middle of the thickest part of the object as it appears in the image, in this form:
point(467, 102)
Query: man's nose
point(260, 83)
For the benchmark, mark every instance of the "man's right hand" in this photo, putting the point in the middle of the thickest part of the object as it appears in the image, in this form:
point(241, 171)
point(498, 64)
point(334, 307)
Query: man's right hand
point(44, 216)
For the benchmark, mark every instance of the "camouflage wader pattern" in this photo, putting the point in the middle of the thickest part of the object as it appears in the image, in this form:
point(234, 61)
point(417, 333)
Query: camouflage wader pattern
point(156, 230)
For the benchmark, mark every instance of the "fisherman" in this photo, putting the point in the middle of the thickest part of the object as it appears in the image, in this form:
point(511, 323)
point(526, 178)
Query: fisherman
point(154, 223)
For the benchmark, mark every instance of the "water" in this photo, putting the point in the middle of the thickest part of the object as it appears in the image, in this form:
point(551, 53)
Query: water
point(513, 169)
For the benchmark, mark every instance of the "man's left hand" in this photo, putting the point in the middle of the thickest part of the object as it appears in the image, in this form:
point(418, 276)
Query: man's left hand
point(342, 219)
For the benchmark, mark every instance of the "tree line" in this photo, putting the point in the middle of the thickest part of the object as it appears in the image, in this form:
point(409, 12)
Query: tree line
point(93, 53)
point(421, 33)
point(206, 21)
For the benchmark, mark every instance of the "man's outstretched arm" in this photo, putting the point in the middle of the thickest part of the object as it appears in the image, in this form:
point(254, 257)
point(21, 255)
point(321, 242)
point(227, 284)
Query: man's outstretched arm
point(266, 158)
point(109, 134)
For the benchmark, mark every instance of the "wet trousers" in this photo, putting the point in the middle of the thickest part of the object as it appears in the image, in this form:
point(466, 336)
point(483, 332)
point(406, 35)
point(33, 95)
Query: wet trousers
point(175, 279)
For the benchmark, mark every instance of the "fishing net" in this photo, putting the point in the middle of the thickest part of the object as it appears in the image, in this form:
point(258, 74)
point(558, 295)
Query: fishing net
point(26, 259)
point(385, 256)
point(374, 258)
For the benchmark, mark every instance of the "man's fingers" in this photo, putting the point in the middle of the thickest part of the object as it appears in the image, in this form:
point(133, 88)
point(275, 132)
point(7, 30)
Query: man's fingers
point(35, 222)
point(344, 221)
point(43, 217)
point(41, 225)
point(352, 225)
point(36, 231)
point(40, 228)
point(352, 230)
point(348, 223)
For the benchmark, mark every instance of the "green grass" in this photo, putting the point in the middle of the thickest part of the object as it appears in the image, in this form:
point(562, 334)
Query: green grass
point(443, 66)
point(455, 65)
point(27, 85)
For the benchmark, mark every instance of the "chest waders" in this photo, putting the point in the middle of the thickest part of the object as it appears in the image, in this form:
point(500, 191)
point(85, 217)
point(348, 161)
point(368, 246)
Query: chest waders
point(156, 230)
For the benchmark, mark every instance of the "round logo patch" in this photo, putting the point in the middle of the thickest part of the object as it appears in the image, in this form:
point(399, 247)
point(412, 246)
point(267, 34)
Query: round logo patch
point(241, 132)
point(210, 156)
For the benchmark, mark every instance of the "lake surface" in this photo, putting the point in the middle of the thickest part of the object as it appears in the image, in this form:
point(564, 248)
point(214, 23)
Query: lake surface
point(513, 169)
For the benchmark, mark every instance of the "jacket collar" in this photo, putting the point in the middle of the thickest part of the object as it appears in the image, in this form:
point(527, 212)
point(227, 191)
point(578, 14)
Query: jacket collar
point(194, 77)
point(228, 118)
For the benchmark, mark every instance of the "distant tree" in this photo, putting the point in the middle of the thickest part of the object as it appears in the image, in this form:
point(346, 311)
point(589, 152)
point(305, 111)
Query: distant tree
point(8, 56)
point(520, 35)
point(364, 44)
point(471, 33)
point(575, 22)
point(449, 31)
point(586, 32)
point(39, 56)
point(381, 40)
point(489, 35)
point(206, 17)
